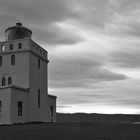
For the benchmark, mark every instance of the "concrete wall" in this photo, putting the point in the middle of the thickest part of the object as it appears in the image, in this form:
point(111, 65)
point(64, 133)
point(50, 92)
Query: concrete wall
point(5, 97)
point(51, 102)
point(19, 95)
point(25, 45)
point(20, 71)
point(38, 80)
point(38, 50)
point(25, 73)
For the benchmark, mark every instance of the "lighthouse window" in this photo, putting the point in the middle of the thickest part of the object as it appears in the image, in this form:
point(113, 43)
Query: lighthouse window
point(33, 45)
point(0, 107)
point(0, 60)
point(51, 110)
point(3, 81)
point(11, 46)
point(2, 48)
point(9, 80)
point(13, 60)
point(19, 108)
point(38, 63)
point(19, 45)
point(39, 98)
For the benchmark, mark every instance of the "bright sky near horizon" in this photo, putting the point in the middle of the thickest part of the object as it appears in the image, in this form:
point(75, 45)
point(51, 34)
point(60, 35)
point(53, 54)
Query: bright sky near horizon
point(94, 50)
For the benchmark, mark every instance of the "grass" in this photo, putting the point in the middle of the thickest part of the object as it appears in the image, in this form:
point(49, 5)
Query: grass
point(71, 131)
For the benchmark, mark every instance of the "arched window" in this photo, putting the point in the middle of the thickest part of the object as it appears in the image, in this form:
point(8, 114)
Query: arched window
point(9, 80)
point(0, 60)
point(19, 45)
point(13, 60)
point(3, 81)
point(11, 46)
point(2, 47)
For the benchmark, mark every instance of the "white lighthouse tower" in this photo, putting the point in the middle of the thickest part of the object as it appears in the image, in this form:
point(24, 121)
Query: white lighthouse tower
point(24, 79)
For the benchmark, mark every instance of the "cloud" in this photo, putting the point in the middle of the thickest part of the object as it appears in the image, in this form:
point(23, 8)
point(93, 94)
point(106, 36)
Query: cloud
point(41, 17)
point(125, 27)
point(129, 102)
point(80, 72)
point(54, 35)
point(39, 11)
point(128, 59)
point(94, 36)
point(97, 14)
point(116, 95)
point(90, 13)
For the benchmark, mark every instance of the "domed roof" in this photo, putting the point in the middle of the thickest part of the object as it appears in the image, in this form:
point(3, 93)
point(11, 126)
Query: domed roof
point(17, 32)
point(18, 26)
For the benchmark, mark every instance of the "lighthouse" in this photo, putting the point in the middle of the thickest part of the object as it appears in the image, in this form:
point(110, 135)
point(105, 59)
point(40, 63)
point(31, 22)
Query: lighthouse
point(24, 79)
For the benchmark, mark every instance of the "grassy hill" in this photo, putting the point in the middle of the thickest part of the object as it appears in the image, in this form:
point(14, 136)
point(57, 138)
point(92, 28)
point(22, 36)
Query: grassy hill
point(77, 126)
point(104, 118)
point(71, 131)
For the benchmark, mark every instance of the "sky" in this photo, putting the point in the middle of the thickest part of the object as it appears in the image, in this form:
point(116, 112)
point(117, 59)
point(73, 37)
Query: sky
point(94, 50)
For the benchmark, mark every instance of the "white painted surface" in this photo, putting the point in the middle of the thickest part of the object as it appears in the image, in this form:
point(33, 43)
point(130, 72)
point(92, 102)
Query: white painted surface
point(25, 73)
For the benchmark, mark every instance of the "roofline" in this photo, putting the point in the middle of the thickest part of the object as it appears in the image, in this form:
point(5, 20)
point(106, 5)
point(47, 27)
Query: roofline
point(23, 40)
point(38, 45)
point(14, 86)
point(52, 96)
point(14, 52)
point(14, 40)
point(18, 27)
point(27, 50)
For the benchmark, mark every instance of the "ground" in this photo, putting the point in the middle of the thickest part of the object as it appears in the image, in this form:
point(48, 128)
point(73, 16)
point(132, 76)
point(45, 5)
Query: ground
point(71, 131)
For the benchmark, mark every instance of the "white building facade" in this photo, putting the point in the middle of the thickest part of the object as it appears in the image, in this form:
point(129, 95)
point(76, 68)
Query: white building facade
point(24, 79)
